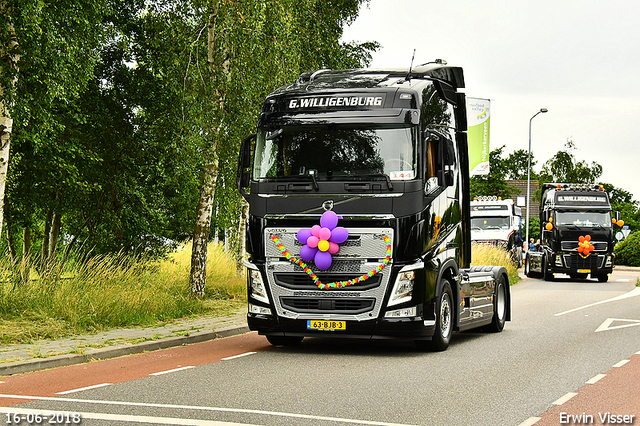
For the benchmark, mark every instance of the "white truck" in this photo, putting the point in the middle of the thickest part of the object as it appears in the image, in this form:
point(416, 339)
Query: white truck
point(498, 222)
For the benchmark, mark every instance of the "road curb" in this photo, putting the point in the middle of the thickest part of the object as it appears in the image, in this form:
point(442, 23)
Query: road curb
point(20, 367)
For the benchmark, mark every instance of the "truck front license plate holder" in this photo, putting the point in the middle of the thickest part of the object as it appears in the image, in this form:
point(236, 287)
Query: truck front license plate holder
point(326, 325)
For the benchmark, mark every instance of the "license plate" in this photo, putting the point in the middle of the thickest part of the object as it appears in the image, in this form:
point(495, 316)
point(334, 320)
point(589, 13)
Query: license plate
point(584, 271)
point(326, 325)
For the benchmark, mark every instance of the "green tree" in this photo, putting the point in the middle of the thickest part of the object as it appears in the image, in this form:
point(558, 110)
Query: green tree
point(281, 38)
point(494, 183)
point(564, 167)
point(48, 57)
point(515, 166)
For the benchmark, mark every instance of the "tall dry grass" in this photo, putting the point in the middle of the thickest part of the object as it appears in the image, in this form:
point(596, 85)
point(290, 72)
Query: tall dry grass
point(113, 291)
point(492, 255)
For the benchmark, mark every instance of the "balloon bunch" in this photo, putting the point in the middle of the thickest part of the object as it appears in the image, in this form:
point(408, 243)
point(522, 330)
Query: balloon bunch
point(320, 242)
point(584, 246)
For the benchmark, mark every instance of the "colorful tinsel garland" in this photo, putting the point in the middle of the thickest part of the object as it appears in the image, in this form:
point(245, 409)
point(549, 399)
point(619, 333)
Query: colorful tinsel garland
point(336, 284)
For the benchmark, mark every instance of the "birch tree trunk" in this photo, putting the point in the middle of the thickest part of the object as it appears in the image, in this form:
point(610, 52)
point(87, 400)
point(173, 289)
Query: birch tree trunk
point(202, 226)
point(242, 230)
point(9, 56)
point(5, 139)
point(201, 230)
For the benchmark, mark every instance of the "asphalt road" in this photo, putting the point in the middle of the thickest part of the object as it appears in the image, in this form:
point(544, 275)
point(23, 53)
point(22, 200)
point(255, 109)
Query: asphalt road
point(562, 335)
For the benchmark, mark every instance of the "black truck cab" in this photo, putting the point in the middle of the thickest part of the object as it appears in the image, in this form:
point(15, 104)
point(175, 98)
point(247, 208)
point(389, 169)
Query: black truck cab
point(577, 228)
point(381, 154)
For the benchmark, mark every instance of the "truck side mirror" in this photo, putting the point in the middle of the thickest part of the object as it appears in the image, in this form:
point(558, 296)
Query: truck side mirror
point(243, 178)
point(449, 178)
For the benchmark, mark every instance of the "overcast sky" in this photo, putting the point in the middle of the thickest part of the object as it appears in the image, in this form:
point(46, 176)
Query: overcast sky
point(578, 59)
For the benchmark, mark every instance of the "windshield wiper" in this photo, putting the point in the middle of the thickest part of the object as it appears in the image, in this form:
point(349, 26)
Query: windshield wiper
point(380, 175)
point(300, 177)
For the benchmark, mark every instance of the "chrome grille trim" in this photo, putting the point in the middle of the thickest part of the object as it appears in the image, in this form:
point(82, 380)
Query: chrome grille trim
point(599, 246)
point(363, 252)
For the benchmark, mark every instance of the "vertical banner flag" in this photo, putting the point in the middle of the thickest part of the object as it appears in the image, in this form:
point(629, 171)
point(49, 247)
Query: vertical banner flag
point(478, 135)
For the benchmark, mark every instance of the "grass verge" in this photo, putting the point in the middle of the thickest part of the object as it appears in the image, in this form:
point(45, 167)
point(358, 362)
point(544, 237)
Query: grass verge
point(114, 291)
point(492, 255)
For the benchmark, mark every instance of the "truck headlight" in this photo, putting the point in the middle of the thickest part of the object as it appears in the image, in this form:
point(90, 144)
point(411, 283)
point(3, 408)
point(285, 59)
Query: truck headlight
point(403, 288)
point(261, 310)
point(256, 286)
point(400, 313)
point(608, 262)
point(558, 260)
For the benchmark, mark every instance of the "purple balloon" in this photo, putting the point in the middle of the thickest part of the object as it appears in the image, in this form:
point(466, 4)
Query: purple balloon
point(323, 259)
point(329, 219)
point(339, 235)
point(303, 235)
point(307, 253)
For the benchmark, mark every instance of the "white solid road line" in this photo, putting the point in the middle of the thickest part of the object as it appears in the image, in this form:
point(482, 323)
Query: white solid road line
point(101, 385)
point(45, 414)
point(606, 325)
point(238, 356)
point(632, 293)
point(172, 371)
point(200, 408)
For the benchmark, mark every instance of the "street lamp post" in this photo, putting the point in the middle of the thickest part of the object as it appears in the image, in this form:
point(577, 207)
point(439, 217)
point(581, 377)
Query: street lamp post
point(542, 110)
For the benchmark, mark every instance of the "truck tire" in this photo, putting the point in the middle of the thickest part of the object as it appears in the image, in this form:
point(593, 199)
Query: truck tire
point(603, 278)
point(499, 306)
point(546, 274)
point(284, 340)
point(527, 267)
point(444, 322)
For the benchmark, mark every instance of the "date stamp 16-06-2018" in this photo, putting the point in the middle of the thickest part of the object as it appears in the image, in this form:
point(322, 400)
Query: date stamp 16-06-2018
point(41, 418)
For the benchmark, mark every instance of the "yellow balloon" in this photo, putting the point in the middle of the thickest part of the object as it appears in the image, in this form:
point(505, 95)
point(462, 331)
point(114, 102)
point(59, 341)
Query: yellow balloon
point(620, 223)
point(548, 226)
point(323, 245)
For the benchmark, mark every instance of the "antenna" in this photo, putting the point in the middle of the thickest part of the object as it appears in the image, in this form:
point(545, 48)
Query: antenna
point(411, 66)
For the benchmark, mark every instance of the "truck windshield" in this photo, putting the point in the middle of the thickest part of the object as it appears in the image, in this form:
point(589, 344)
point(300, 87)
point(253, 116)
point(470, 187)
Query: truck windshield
point(583, 218)
point(334, 152)
point(494, 222)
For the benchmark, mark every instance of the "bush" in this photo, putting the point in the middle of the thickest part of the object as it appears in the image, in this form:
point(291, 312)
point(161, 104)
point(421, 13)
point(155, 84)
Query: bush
point(628, 250)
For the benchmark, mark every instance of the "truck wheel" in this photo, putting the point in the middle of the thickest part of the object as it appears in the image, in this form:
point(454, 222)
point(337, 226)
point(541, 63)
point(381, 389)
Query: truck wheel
point(444, 322)
point(527, 267)
point(546, 274)
point(499, 306)
point(603, 278)
point(284, 340)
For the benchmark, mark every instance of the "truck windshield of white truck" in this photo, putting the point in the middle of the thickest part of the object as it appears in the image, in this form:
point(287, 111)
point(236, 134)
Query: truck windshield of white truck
point(495, 222)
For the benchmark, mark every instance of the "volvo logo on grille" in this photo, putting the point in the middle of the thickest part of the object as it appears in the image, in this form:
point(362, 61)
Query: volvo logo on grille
point(327, 205)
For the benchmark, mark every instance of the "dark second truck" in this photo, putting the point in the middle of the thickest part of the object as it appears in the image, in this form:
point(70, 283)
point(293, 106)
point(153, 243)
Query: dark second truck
point(577, 228)
point(358, 227)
